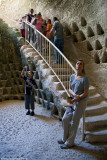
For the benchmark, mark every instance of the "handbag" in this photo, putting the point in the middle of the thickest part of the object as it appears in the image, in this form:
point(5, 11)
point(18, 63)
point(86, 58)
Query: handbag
point(69, 109)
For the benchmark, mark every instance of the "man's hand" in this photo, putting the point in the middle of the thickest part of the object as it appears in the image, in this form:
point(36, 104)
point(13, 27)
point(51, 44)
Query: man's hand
point(70, 100)
point(25, 68)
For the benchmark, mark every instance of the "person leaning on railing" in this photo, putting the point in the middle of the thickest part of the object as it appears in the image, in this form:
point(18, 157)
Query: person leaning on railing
point(30, 16)
point(29, 19)
point(78, 89)
point(22, 25)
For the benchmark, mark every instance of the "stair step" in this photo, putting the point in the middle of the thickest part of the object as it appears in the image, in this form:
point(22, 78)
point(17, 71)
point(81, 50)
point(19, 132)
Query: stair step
point(3, 76)
point(64, 77)
point(1, 91)
point(98, 136)
point(62, 94)
point(11, 90)
point(96, 122)
point(95, 99)
point(61, 71)
point(99, 109)
point(12, 96)
point(10, 74)
point(47, 57)
point(57, 86)
point(7, 90)
point(53, 78)
point(3, 83)
point(92, 90)
point(10, 66)
point(66, 84)
point(57, 65)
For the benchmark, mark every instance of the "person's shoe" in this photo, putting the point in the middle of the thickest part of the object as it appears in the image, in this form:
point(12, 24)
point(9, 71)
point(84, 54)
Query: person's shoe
point(60, 141)
point(32, 113)
point(54, 62)
point(65, 146)
point(28, 113)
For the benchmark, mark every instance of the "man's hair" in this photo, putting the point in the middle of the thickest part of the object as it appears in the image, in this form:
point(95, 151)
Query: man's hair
point(31, 72)
point(31, 10)
point(55, 18)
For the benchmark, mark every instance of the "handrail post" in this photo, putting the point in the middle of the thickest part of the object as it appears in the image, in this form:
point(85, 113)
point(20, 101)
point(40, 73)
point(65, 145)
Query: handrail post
point(26, 30)
point(49, 54)
point(83, 131)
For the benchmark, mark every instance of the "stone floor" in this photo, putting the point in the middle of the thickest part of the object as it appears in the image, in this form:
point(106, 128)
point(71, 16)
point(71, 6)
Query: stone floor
point(35, 137)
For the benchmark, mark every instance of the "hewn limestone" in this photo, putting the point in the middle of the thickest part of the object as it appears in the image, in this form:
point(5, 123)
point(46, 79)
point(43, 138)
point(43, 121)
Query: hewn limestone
point(85, 23)
point(11, 85)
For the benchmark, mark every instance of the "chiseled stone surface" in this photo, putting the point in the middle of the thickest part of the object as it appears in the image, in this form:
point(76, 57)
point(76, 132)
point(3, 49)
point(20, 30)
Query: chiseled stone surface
point(84, 22)
point(35, 138)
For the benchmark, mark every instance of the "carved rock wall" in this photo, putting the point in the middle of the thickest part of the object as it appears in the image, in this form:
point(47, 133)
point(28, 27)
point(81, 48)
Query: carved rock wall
point(85, 26)
point(11, 84)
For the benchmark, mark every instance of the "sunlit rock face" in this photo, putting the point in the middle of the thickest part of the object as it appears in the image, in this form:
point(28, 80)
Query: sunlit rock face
point(68, 11)
point(85, 28)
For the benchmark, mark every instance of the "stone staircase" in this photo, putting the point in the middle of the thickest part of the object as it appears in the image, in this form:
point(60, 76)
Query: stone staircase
point(51, 95)
point(96, 117)
point(96, 111)
point(11, 83)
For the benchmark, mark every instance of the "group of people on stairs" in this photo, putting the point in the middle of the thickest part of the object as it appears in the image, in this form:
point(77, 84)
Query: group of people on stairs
point(52, 32)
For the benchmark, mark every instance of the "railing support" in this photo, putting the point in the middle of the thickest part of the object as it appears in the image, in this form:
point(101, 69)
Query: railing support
point(83, 131)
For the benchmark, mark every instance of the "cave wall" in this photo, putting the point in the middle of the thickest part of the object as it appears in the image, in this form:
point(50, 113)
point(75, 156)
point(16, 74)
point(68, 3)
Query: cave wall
point(83, 20)
point(9, 47)
point(68, 11)
point(85, 25)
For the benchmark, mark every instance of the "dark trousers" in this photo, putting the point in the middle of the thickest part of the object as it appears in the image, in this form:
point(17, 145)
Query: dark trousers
point(29, 102)
point(59, 43)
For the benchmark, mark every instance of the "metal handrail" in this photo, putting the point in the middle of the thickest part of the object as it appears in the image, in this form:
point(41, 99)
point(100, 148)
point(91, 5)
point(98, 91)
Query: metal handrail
point(45, 48)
